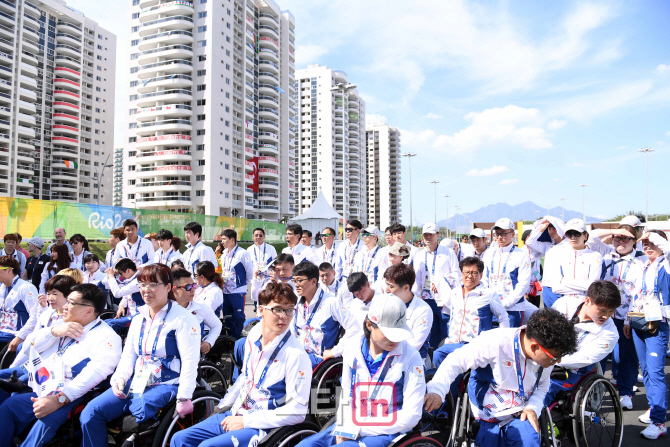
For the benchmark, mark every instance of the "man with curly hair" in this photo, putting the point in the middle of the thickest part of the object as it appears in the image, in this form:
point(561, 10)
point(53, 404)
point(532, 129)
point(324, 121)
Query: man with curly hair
point(511, 370)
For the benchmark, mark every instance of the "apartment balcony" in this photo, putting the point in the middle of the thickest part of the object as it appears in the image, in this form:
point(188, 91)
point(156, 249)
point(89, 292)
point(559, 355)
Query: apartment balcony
point(176, 66)
point(63, 174)
point(268, 54)
point(65, 106)
point(268, 19)
point(67, 73)
point(27, 95)
point(66, 130)
point(268, 184)
point(64, 186)
point(148, 3)
point(268, 78)
point(67, 61)
point(28, 70)
point(270, 162)
point(7, 19)
point(269, 31)
point(268, 137)
point(63, 151)
point(269, 66)
point(65, 95)
point(7, 45)
point(69, 28)
point(174, 23)
point(8, 7)
point(268, 125)
point(268, 102)
point(268, 173)
point(340, 76)
point(166, 155)
point(68, 50)
point(171, 170)
point(171, 82)
point(265, 148)
point(164, 200)
point(267, 112)
point(268, 196)
point(26, 120)
point(165, 96)
point(168, 53)
point(31, 34)
point(166, 111)
point(165, 185)
point(268, 90)
point(68, 39)
point(171, 140)
point(166, 38)
point(28, 58)
point(174, 125)
point(65, 118)
point(178, 8)
point(65, 141)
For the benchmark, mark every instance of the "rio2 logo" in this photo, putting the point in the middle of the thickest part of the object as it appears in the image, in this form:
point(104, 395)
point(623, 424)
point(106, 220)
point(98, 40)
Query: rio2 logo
point(95, 220)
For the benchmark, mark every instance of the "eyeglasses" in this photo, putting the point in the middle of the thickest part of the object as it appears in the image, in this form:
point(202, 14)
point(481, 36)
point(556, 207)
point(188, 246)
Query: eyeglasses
point(300, 281)
point(326, 235)
point(623, 239)
point(72, 303)
point(151, 285)
point(502, 233)
point(552, 359)
point(366, 234)
point(278, 311)
point(75, 242)
point(472, 274)
point(187, 287)
point(4, 268)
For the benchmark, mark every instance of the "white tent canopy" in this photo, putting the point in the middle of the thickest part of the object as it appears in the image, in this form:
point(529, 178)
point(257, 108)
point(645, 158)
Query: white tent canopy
point(320, 215)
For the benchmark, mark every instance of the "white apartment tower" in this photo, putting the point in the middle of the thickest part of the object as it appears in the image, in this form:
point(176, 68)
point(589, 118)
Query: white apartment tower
point(383, 166)
point(212, 108)
point(118, 176)
point(56, 102)
point(332, 150)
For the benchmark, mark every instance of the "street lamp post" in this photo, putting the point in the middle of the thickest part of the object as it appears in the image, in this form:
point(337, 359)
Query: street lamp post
point(584, 201)
point(435, 182)
point(344, 89)
point(447, 196)
point(562, 208)
point(409, 156)
point(105, 165)
point(646, 151)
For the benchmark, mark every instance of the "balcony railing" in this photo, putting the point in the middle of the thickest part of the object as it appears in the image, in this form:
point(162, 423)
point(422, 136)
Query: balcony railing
point(162, 64)
point(165, 92)
point(169, 33)
point(161, 123)
point(166, 19)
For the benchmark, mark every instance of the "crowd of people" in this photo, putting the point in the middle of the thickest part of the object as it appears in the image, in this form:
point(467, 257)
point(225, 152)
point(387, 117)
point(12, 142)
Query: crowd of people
point(510, 312)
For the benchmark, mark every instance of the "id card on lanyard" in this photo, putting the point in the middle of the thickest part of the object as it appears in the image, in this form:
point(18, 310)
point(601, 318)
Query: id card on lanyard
point(141, 379)
point(428, 282)
point(137, 251)
point(308, 329)
point(348, 263)
point(652, 304)
point(227, 268)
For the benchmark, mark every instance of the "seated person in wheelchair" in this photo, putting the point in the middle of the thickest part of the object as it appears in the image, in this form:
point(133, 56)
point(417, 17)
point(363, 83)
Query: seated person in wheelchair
point(184, 290)
point(66, 362)
point(159, 361)
point(319, 316)
point(57, 288)
point(329, 280)
point(510, 377)
point(126, 292)
point(382, 381)
point(472, 307)
point(596, 333)
point(399, 282)
point(273, 388)
point(20, 308)
point(359, 286)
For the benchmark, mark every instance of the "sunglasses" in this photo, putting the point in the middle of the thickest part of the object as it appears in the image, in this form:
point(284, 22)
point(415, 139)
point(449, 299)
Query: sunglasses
point(366, 234)
point(349, 230)
point(573, 234)
point(188, 287)
point(326, 235)
point(552, 359)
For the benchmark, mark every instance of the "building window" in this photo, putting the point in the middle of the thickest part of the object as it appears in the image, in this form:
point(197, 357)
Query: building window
point(227, 137)
point(202, 58)
point(227, 166)
point(202, 29)
point(201, 87)
point(134, 42)
point(200, 147)
point(200, 118)
point(226, 195)
point(131, 182)
point(136, 15)
point(200, 102)
point(134, 83)
point(200, 178)
point(227, 94)
point(227, 38)
point(200, 193)
point(99, 57)
point(134, 56)
point(136, 2)
point(203, 1)
point(131, 167)
point(202, 14)
point(227, 123)
point(227, 181)
point(134, 70)
point(134, 29)
point(201, 162)
point(227, 109)
point(131, 196)
point(201, 43)
point(132, 139)
point(201, 72)
point(200, 132)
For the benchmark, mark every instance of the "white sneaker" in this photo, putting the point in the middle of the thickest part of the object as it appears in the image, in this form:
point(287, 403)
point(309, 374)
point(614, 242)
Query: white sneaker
point(646, 417)
point(640, 379)
point(626, 403)
point(635, 388)
point(654, 431)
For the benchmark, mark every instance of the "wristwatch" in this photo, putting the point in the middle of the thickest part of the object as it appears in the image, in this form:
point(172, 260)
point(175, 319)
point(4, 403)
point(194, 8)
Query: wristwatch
point(181, 399)
point(62, 398)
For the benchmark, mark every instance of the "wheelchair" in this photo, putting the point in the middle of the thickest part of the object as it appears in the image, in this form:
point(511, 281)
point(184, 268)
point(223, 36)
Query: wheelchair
point(414, 438)
point(325, 393)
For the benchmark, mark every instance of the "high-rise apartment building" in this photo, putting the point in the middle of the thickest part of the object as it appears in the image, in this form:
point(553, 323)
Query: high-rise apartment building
point(56, 102)
point(332, 150)
point(211, 114)
point(118, 176)
point(383, 179)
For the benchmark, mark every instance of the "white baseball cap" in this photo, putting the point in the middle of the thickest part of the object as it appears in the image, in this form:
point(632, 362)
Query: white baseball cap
point(374, 231)
point(633, 221)
point(430, 228)
point(388, 313)
point(477, 232)
point(449, 243)
point(575, 225)
point(504, 224)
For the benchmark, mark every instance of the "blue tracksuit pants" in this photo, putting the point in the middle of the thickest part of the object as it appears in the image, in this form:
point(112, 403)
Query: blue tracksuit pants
point(209, 433)
point(325, 439)
point(651, 351)
point(233, 304)
point(624, 362)
point(440, 355)
point(440, 329)
point(514, 434)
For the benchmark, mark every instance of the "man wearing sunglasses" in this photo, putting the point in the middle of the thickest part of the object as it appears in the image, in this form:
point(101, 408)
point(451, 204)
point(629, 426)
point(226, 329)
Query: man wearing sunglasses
point(507, 270)
point(570, 268)
point(348, 249)
point(510, 377)
point(368, 258)
point(19, 309)
point(80, 353)
point(327, 252)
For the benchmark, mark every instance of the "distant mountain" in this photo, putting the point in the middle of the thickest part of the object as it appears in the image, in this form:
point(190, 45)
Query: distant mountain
point(522, 211)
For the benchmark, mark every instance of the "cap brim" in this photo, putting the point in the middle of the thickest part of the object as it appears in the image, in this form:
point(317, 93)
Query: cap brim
point(397, 334)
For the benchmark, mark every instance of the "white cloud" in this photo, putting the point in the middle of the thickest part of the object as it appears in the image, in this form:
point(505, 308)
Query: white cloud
point(660, 143)
point(432, 116)
point(576, 165)
point(667, 134)
point(662, 68)
point(371, 118)
point(509, 181)
point(556, 124)
point(309, 54)
point(487, 171)
point(620, 148)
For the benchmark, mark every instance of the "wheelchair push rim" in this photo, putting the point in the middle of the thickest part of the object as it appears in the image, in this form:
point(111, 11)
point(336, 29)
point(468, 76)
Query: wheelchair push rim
point(598, 416)
point(205, 403)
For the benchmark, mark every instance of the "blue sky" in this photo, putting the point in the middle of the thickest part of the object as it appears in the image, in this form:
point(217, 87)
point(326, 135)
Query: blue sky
point(502, 101)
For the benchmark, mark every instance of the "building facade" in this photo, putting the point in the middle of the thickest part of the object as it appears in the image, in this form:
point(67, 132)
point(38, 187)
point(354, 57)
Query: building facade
point(383, 174)
point(332, 149)
point(57, 83)
point(211, 113)
point(118, 176)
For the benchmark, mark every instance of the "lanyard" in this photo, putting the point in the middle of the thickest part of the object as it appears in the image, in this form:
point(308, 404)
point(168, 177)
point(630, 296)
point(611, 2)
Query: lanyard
point(644, 278)
point(167, 256)
point(372, 258)
point(191, 253)
point(259, 251)
point(137, 250)
point(144, 322)
point(9, 289)
point(382, 375)
point(269, 362)
point(230, 258)
point(52, 319)
point(308, 320)
point(519, 377)
point(506, 260)
point(62, 349)
point(434, 259)
point(353, 255)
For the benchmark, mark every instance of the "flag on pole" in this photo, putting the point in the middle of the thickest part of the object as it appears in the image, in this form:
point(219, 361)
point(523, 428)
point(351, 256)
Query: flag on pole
point(71, 164)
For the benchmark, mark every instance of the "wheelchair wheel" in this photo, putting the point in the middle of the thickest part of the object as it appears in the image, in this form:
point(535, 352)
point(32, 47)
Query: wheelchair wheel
point(325, 390)
point(289, 436)
point(598, 417)
point(213, 377)
point(547, 434)
point(204, 404)
point(221, 355)
point(415, 440)
point(7, 358)
point(438, 426)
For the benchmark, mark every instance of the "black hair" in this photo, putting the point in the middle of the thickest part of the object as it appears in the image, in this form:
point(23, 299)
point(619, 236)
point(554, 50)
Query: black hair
point(80, 238)
point(367, 331)
point(356, 281)
point(130, 223)
point(398, 228)
point(194, 227)
point(63, 260)
point(177, 262)
point(91, 257)
point(164, 235)
point(93, 295)
point(180, 274)
point(325, 266)
point(258, 229)
point(284, 257)
point(387, 229)
point(552, 330)
point(62, 283)
point(471, 260)
point(330, 230)
point(604, 293)
point(309, 233)
point(307, 269)
point(230, 234)
point(295, 228)
point(525, 235)
point(356, 224)
point(208, 271)
point(401, 275)
point(124, 264)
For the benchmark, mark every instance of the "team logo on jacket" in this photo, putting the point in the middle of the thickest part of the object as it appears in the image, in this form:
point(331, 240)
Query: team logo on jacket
point(507, 363)
point(373, 318)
